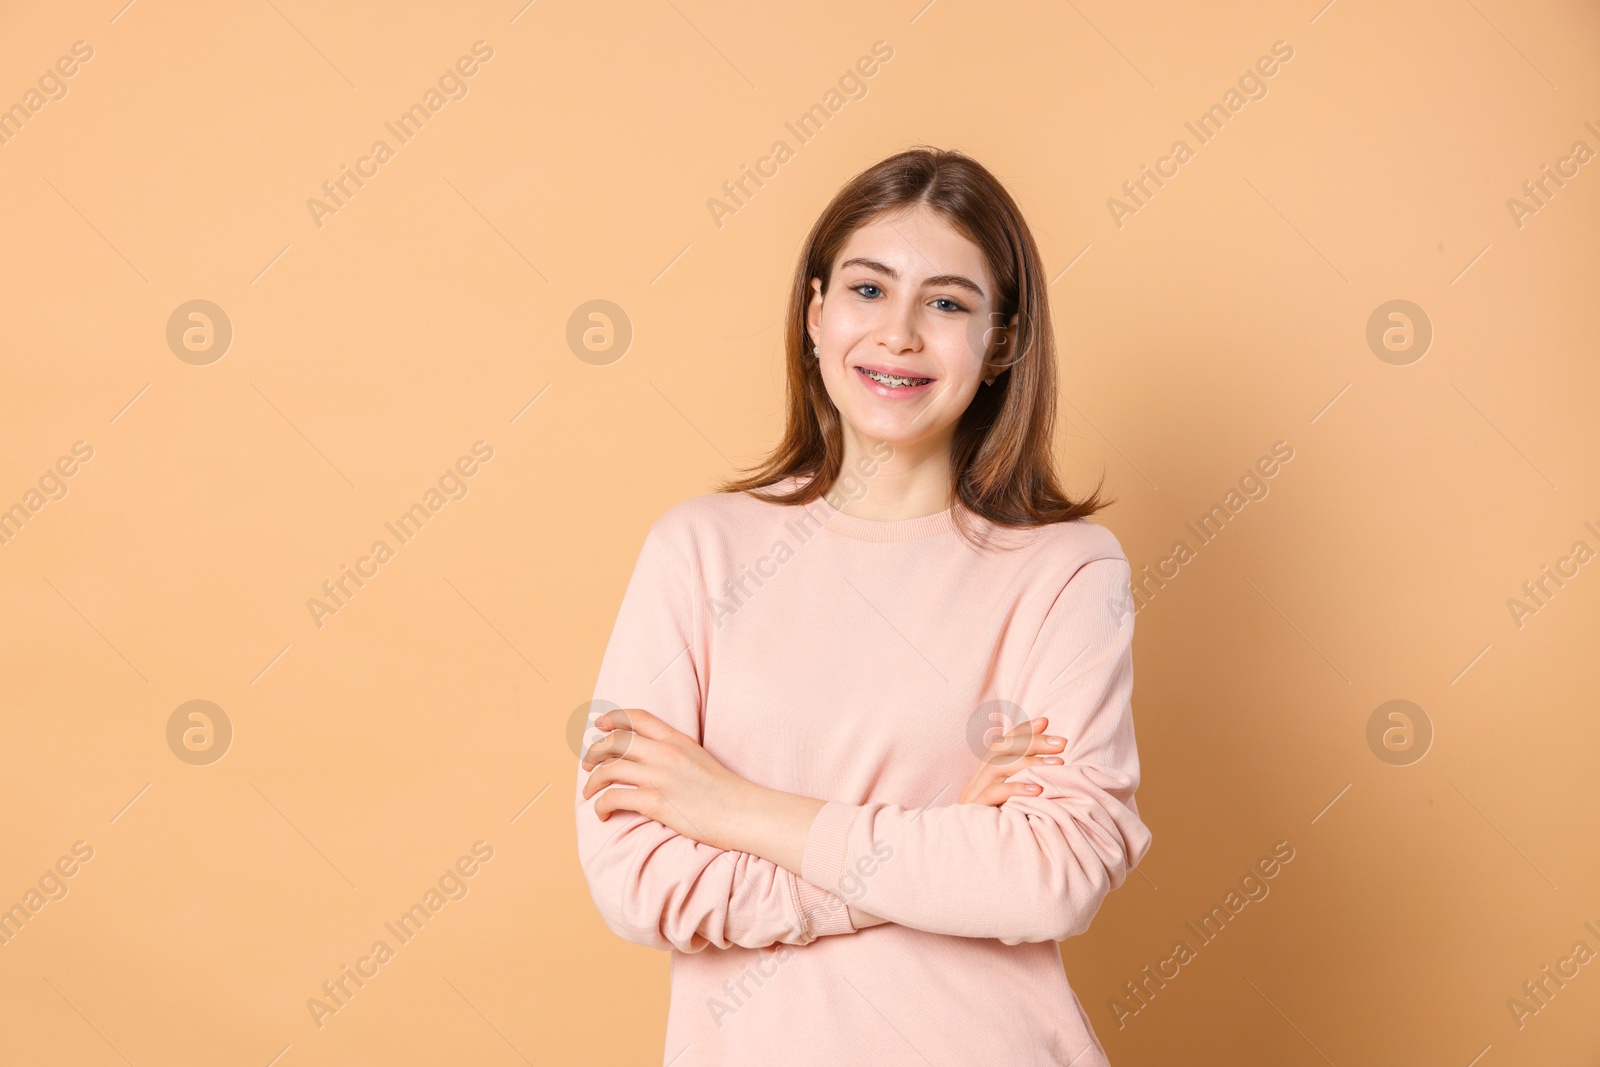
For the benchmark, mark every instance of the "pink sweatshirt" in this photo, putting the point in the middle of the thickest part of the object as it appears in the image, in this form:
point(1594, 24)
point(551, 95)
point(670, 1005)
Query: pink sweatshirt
point(857, 661)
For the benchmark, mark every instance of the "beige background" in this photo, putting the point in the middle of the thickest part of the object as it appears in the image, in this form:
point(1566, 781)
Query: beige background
point(431, 311)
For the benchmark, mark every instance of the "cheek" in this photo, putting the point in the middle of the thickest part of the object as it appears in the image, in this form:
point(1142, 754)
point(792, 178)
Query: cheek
point(981, 332)
point(847, 321)
point(960, 348)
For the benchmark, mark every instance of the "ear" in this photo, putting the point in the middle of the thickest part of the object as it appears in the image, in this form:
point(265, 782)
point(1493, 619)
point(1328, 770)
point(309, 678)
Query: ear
point(814, 311)
point(1002, 338)
point(1002, 355)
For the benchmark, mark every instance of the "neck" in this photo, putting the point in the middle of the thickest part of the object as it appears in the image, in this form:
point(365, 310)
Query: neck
point(907, 481)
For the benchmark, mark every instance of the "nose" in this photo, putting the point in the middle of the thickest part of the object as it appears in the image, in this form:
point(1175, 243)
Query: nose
point(897, 330)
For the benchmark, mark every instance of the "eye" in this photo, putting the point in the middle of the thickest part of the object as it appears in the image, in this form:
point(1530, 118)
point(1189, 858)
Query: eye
point(954, 306)
point(864, 285)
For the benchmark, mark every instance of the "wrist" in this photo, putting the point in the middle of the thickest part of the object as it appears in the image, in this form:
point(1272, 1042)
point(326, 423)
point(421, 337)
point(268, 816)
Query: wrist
point(774, 825)
point(739, 824)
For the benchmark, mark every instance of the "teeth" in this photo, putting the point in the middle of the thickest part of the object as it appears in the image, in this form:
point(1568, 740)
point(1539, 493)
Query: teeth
point(895, 380)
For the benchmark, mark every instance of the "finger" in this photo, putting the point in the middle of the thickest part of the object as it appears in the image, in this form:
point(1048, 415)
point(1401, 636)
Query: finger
point(1022, 731)
point(614, 772)
point(597, 781)
point(988, 771)
point(999, 792)
point(609, 746)
point(638, 720)
point(624, 798)
point(993, 795)
point(1022, 763)
point(621, 744)
point(1026, 739)
point(1017, 742)
point(973, 790)
point(1012, 741)
point(1046, 743)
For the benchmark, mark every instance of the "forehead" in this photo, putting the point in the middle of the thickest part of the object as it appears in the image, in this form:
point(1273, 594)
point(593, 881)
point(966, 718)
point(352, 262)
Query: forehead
point(918, 243)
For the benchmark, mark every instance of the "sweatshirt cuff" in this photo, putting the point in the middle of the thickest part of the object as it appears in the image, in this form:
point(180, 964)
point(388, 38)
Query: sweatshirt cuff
point(821, 913)
point(823, 862)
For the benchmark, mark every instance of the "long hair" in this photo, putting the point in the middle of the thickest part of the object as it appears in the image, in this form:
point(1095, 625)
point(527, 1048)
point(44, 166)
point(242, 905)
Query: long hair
point(1001, 458)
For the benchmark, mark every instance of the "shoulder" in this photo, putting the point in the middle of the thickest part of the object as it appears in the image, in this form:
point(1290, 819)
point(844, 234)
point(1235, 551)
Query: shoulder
point(1081, 567)
point(1088, 578)
point(1064, 548)
point(690, 525)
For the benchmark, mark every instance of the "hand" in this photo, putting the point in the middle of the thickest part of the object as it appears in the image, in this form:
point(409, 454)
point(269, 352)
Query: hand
point(1025, 745)
point(673, 779)
point(862, 919)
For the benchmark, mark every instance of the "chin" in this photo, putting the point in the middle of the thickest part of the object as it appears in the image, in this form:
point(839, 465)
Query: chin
point(895, 430)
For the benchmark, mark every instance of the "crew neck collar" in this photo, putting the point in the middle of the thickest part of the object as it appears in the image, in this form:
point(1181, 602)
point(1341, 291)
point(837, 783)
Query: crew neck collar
point(881, 529)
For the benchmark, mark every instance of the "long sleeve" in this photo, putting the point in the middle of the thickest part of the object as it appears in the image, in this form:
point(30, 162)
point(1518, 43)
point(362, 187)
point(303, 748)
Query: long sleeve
point(1037, 867)
point(652, 885)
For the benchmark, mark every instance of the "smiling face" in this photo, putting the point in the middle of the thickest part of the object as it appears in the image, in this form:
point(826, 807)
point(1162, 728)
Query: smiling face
point(909, 296)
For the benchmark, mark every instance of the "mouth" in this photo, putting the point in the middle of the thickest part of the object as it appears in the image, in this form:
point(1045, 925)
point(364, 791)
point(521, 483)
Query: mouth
point(892, 385)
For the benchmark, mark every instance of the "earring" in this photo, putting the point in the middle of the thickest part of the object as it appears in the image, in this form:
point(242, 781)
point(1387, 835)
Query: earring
point(988, 381)
point(815, 351)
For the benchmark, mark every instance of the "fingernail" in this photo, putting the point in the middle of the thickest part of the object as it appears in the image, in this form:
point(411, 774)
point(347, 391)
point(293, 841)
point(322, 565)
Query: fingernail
point(1057, 760)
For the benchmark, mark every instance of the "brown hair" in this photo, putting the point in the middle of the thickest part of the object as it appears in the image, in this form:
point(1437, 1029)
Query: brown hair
point(1000, 455)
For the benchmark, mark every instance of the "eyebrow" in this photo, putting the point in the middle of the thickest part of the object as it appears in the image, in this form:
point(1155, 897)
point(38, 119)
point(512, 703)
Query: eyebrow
point(936, 281)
